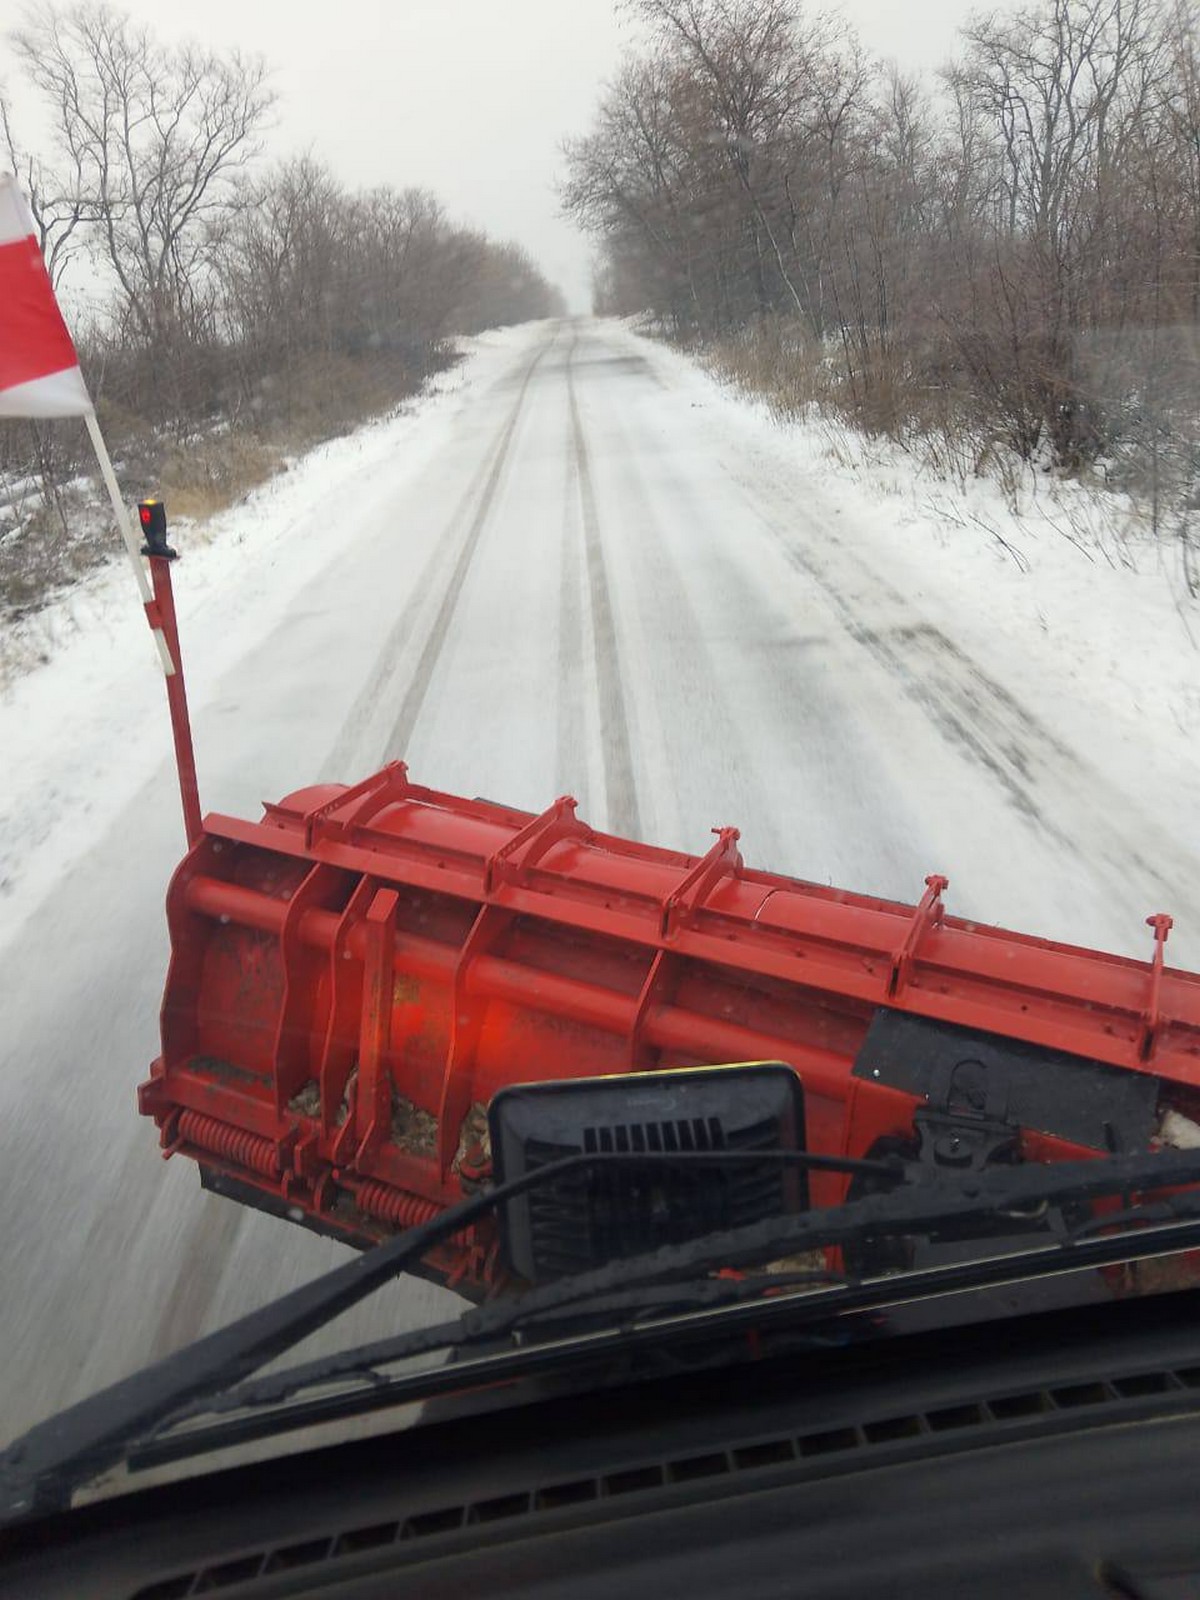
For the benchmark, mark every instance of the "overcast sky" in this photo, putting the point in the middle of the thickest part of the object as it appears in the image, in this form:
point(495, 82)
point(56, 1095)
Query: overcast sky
point(471, 98)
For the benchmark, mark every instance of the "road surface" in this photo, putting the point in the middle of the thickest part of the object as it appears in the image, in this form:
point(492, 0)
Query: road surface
point(584, 589)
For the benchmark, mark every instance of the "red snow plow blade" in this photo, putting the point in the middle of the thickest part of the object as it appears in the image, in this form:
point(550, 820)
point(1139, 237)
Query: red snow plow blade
point(355, 977)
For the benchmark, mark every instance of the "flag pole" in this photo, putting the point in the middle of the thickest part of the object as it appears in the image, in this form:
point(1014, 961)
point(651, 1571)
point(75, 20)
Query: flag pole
point(161, 557)
point(160, 614)
point(41, 377)
point(121, 512)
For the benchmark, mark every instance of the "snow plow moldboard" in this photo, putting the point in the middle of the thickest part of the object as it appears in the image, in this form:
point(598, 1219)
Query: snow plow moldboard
point(355, 976)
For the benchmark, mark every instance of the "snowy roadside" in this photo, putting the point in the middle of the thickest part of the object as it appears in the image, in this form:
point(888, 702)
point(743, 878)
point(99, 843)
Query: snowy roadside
point(82, 730)
point(1067, 603)
point(1098, 653)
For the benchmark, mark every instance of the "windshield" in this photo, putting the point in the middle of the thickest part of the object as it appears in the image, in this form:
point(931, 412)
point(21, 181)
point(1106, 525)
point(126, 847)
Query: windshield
point(727, 414)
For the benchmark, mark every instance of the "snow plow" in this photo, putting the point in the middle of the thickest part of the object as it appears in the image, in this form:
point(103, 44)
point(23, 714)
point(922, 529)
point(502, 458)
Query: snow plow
point(383, 999)
point(360, 980)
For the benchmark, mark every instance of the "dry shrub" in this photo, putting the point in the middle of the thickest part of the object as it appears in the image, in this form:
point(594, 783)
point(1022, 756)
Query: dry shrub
point(199, 471)
point(774, 358)
point(38, 560)
point(204, 478)
point(906, 397)
point(325, 396)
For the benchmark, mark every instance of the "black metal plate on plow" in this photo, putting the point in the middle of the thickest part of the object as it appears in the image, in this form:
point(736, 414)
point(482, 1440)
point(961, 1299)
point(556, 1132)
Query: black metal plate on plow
point(1069, 1097)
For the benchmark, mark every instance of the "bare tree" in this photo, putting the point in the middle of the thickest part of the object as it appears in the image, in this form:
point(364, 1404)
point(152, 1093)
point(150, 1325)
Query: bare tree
point(718, 159)
point(1015, 264)
point(1061, 95)
point(156, 139)
point(60, 208)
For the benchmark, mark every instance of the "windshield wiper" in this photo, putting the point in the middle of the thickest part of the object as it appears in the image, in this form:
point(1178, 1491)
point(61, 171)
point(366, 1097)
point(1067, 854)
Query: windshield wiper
point(668, 1324)
point(928, 1201)
point(40, 1469)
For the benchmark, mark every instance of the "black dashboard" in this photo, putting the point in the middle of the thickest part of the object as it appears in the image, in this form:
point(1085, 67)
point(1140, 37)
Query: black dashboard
point(1052, 1456)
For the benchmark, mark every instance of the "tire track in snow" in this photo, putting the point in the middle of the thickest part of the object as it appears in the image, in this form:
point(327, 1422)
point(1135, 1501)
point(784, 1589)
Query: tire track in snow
point(345, 757)
point(211, 1232)
point(571, 764)
point(683, 651)
point(418, 686)
point(620, 789)
point(1041, 776)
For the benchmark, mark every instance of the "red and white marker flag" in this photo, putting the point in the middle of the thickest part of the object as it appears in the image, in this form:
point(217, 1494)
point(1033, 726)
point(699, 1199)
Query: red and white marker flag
point(39, 370)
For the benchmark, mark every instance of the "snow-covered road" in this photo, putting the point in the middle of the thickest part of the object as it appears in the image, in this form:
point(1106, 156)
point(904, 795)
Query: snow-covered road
point(573, 571)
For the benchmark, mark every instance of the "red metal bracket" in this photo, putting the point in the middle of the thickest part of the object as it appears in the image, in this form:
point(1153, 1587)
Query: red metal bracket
point(466, 1015)
point(928, 914)
point(390, 783)
point(529, 844)
point(374, 1108)
point(652, 988)
point(339, 1048)
point(344, 1140)
point(693, 889)
point(293, 1052)
point(1152, 1019)
point(168, 1133)
point(306, 1156)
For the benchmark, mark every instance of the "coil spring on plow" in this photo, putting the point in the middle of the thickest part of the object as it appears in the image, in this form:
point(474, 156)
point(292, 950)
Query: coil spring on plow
point(464, 1262)
point(230, 1144)
point(394, 1205)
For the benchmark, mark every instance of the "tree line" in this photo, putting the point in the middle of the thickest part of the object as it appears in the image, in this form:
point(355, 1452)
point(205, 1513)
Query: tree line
point(1006, 257)
point(216, 297)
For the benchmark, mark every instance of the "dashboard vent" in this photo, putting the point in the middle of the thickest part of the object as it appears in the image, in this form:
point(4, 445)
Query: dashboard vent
point(1006, 1415)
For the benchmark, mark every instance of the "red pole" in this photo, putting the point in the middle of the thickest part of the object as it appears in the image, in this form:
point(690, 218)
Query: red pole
point(161, 613)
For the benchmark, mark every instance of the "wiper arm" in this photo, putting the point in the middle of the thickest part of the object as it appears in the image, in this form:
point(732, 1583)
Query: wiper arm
point(923, 1202)
point(807, 1322)
point(636, 1319)
point(39, 1470)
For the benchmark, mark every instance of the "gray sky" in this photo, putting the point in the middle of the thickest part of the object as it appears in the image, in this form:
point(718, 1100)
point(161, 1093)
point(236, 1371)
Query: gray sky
point(468, 97)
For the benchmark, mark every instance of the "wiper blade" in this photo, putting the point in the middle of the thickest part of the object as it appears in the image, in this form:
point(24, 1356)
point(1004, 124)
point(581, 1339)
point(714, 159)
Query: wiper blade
point(924, 1201)
point(277, 1406)
point(626, 1308)
point(39, 1470)
point(639, 1319)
